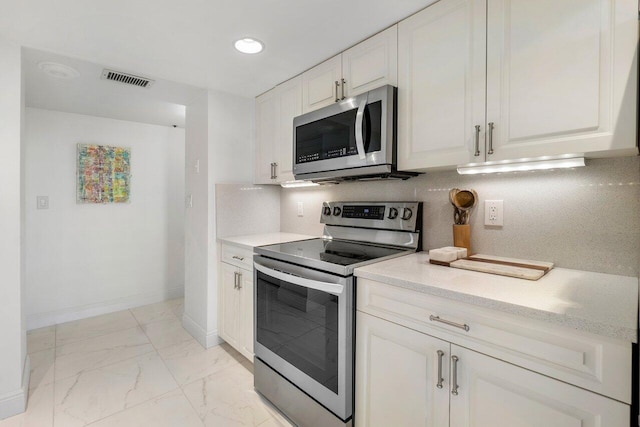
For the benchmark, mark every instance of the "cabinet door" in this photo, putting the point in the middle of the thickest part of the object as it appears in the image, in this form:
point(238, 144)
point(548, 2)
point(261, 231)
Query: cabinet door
point(246, 314)
point(319, 84)
point(267, 111)
point(494, 393)
point(229, 304)
point(396, 376)
point(372, 63)
point(441, 85)
point(561, 76)
point(290, 99)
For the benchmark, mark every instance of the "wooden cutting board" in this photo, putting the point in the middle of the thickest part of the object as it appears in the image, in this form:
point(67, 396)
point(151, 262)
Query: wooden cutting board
point(512, 267)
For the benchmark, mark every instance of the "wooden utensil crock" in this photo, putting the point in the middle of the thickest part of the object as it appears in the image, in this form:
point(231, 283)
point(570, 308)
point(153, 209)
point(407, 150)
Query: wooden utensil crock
point(462, 237)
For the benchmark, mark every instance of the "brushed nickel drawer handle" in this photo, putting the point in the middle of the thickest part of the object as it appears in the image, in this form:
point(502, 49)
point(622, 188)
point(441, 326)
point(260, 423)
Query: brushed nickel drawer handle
point(449, 322)
point(477, 152)
point(239, 258)
point(235, 280)
point(490, 138)
point(337, 87)
point(454, 380)
point(440, 379)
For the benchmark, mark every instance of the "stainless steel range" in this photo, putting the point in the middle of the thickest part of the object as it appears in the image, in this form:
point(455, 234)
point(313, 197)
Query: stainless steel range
point(305, 307)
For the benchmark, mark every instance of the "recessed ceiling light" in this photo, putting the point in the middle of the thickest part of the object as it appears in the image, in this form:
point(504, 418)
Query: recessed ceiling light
point(248, 45)
point(59, 71)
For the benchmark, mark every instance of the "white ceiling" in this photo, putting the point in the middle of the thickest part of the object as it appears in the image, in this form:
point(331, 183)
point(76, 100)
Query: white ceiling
point(163, 103)
point(191, 41)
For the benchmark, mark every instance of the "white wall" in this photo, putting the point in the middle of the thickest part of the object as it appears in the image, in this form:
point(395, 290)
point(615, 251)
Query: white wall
point(88, 259)
point(219, 135)
point(13, 360)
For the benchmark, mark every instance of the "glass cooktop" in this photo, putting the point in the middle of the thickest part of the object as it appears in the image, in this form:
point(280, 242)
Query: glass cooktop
point(315, 252)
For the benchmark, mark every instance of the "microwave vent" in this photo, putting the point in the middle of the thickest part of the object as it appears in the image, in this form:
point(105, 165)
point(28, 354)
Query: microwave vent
point(126, 78)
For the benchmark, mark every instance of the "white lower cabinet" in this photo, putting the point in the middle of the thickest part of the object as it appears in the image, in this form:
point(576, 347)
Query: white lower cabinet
point(235, 301)
point(397, 376)
point(493, 393)
point(411, 373)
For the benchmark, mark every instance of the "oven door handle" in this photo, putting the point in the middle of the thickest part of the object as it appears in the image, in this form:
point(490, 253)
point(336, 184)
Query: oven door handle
point(330, 288)
point(359, 120)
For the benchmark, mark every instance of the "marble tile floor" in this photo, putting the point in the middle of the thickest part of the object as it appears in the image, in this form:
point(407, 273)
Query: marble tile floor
point(138, 367)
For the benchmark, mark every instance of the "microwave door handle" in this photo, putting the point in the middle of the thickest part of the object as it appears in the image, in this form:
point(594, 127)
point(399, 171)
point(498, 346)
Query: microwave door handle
point(330, 288)
point(359, 137)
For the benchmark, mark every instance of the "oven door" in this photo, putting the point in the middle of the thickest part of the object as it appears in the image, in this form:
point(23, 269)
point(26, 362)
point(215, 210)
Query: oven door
point(304, 330)
point(353, 133)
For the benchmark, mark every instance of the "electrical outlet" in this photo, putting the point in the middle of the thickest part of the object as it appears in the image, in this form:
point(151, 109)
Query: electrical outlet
point(494, 213)
point(300, 209)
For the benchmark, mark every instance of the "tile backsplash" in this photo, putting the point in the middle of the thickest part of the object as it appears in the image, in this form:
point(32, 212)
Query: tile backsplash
point(243, 209)
point(584, 218)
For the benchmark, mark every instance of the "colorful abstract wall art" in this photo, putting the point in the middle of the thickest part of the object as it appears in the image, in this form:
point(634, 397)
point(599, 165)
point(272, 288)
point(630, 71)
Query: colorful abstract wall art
point(103, 174)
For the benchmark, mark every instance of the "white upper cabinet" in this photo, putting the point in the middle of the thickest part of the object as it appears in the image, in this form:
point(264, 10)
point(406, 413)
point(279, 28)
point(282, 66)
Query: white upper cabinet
point(274, 112)
point(441, 85)
point(321, 85)
point(266, 114)
point(370, 64)
point(561, 77)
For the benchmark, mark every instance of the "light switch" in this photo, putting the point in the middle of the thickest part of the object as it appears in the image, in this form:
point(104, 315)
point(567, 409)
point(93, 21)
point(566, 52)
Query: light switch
point(42, 202)
point(300, 209)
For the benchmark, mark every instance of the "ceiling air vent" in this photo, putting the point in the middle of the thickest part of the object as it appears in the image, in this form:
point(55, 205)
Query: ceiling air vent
point(129, 79)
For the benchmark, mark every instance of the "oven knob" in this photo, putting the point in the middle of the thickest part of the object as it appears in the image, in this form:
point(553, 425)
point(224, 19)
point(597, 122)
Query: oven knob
point(393, 213)
point(326, 210)
point(337, 211)
point(406, 214)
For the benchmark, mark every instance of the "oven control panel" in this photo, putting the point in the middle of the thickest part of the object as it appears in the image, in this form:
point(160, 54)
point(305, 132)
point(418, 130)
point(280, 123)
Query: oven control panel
point(406, 216)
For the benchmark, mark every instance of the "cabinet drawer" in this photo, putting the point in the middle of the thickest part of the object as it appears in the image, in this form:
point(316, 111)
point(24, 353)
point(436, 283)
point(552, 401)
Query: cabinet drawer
point(596, 363)
point(240, 257)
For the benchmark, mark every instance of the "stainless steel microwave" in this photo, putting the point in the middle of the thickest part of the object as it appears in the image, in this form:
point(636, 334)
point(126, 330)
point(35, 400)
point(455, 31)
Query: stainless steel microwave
point(351, 139)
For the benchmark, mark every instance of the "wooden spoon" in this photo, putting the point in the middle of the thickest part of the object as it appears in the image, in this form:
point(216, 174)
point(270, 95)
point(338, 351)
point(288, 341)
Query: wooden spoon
point(464, 201)
point(457, 214)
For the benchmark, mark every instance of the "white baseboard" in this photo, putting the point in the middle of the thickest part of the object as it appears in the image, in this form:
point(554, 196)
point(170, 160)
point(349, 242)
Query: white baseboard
point(206, 339)
point(40, 320)
point(15, 402)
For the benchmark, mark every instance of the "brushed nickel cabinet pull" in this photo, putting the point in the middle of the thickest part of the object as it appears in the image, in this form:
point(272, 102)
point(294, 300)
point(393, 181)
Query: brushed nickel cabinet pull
point(235, 280)
point(337, 86)
point(239, 280)
point(477, 152)
point(440, 379)
point(449, 322)
point(239, 258)
point(275, 170)
point(343, 83)
point(454, 379)
point(490, 138)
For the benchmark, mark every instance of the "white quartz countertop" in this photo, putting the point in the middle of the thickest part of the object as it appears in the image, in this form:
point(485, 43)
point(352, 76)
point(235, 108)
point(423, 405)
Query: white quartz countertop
point(252, 240)
point(602, 304)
